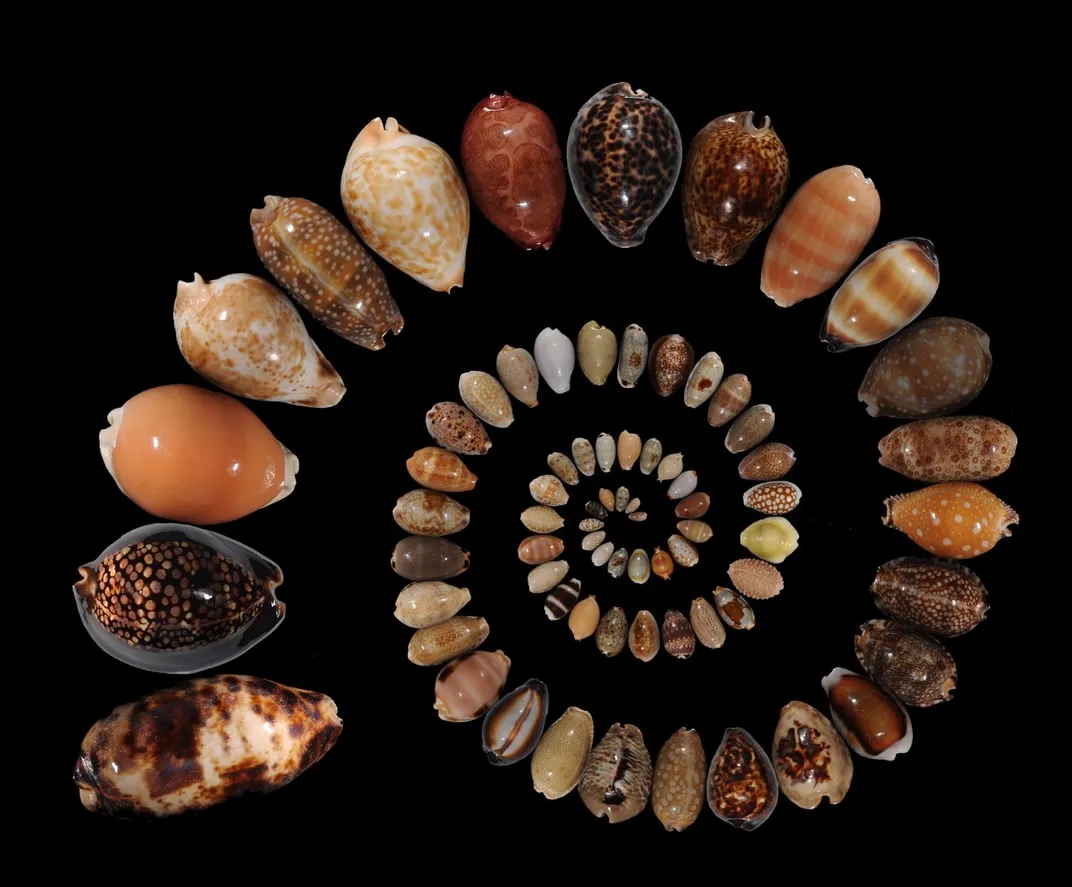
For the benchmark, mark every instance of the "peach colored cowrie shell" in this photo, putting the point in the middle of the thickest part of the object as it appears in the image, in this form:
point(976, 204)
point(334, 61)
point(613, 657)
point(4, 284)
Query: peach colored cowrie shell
point(542, 519)
point(616, 781)
point(752, 427)
point(703, 380)
point(597, 352)
point(771, 538)
point(606, 498)
point(695, 530)
point(670, 467)
point(730, 398)
point(755, 578)
point(584, 456)
point(439, 469)
point(956, 520)
point(886, 292)
point(517, 371)
point(644, 641)
point(823, 229)
point(316, 259)
point(467, 687)
point(543, 578)
point(949, 448)
point(611, 632)
point(559, 759)
point(438, 643)
point(670, 363)
point(585, 618)
point(678, 639)
point(773, 497)
point(934, 367)
point(564, 469)
point(539, 549)
point(628, 451)
point(810, 758)
point(677, 792)
point(406, 199)
point(428, 513)
point(771, 461)
point(487, 399)
point(632, 356)
point(452, 426)
point(548, 490)
point(705, 622)
point(244, 335)
point(736, 175)
point(421, 604)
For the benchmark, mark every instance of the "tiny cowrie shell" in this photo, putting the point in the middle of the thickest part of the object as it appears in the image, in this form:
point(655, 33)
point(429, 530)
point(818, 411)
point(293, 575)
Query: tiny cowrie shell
point(590, 525)
point(621, 499)
point(633, 505)
point(650, 455)
point(584, 456)
point(605, 452)
point(564, 469)
point(606, 498)
point(628, 450)
point(617, 563)
point(593, 540)
point(695, 530)
point(638, 516)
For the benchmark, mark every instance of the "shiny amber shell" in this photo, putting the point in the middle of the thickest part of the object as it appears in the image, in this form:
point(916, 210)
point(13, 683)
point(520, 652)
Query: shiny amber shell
point(439, 469)
point(957, 520)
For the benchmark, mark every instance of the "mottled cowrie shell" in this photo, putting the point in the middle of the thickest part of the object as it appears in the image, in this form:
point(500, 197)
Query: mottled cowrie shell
point(949, 448)
point(628, 450)
point(610, 634)
point(644, 636)
point(639, 566)
point(590, 525)
point(593, 540)
point(605, 451)
point(705, 623)
point(683, 485)
point(771, 538)
point(940, 597)
point(886, 292)
point(810, 758)
point(621, 499)
point(742, 788)
point(606, 498)
point(752, 427)
point(539, 549)
point(870, 720)
point(670, 363)
point(547, 576)
point(424, 558)
point(771, 461)
point(729, 399)
point(439, 469)
point(562, 599)
point(542, 519)
point(584, 456)
point(934, 367)
point(734, 609)
point(650, 455)
point(703, 380)
point(682, 551)
point(564, 469)
point(616, 781)
point(695, 530)
point(428, 513)
point(514, 725)
point(555, 358)
point(453, 427)
point(957, 520)
point(563, 751)
point(488, 400)
point(677, 793)
point(517, 371)
point(453, 637)
point(602, 554)
point(638, 516)
point(548, 490)
point(678, 639)
point(597, 352)
point(773, 497)
point(421, 604)
point(584, 619)
point(618, 562)
point(670, 467)
point(633, 355)
point(912, 666)
point(755, 578)
point(467, 687)
point(693, 505)
point(596, 510)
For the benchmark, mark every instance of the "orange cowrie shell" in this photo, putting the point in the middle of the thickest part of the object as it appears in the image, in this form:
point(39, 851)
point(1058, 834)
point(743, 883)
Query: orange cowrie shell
point(439, 469)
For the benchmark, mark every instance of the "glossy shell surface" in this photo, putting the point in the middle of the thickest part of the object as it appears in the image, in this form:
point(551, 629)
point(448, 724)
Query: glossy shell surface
point(584, 620)
point(703, 380)
point(705, 623)
point(772, 538)
point(611, 632)
point(455, 428)
point(677, 792)
point(810, 757)
point(678, 638)
point(669, 364)
point(940, 597)
point(597, 352)
point(773, 497)
point(562, 752)
point(870, 720)
point(562, 599)
point(912, 666)
point(957, 520)
point(750, 428)
point(584, 455)
point(695, 530)
point(644, 639)
point(453, 637)
point(539, 549)
point(694, 505)
point(423, 558)
point(516, 369)
point(564, 469)
point(650, 455)
point(514, 725)
point(949, 448)
point(439, 469)
point(629, 448)
point(486, 398)
point(421, 604)
point(468, 686)
point(548, 490)
point(632, 356)
point(735, 611)
point(729, 399)
point(546, 576)
point(770, 461)
point(429, 513)
point(742, 788)
point(542, 519)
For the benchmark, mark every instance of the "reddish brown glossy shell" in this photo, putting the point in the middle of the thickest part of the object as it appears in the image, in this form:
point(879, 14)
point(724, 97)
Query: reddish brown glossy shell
point(949, 448)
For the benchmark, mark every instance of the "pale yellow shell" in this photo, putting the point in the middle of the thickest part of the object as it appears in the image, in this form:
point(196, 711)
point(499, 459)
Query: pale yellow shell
point(597, 352)
point(542, 519)
point(705, 622)
point(772, 538)
point(563, 751)
point(483, 394)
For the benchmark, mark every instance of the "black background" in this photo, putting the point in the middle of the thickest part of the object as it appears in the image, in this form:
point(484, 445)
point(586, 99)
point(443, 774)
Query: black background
point(181, 174)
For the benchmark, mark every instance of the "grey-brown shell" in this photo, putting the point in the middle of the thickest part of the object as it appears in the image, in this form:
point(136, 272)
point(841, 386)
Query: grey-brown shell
point(611, 632)
point(729, 399)
point(938, 596)
point(632, 356)
point(616, 781)
point(678, 638)
point(771, 461)
point(750, 428)
point(564, 469)
point(912, 666)
point(584, 455)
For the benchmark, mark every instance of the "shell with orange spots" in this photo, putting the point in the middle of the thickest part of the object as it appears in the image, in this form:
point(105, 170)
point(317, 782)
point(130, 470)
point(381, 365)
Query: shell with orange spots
point(956, 520)
point(406, 198)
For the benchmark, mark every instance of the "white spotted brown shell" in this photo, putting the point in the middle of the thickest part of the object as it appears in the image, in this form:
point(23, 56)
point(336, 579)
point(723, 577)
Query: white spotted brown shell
point(677, 792)
point(773, 497)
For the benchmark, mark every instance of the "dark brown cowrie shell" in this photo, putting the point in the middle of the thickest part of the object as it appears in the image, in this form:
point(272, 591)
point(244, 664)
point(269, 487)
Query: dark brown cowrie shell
point(742, 788)
point(513, 726)
point(912, 666)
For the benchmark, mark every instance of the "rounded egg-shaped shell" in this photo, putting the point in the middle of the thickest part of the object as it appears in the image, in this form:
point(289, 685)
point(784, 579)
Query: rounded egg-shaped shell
point(597, 352)
point(678, 638)
point(705, 623)
point(940, 597)
point(611, 632)
point(469, 686)
point(488, 400)
point(513, 726)
point(735, 611)
point(187, 454)
point(873, 723)
point(682, 485)
point(695, 530)
point(810, 757)
point(670, 467)
point(912, 666)
point(616, 781)
point(770, 461)
point(629, 449)
point(439, 469)
point(517, 371)
point(956, 520)
point(936, 366)
point(405, 197)
point(606, 450)
point(555, 358)
point(703, 380)
point(772, 538)
point(564, 469)
point(593, 540)
point(750, 428)
point(949, 448)
point(428, 513)
point(677, 791)
point(639, 566)
point(455, 428)
point(584, 455)
point(756, 579)
point(584, 620)
point(453, 637)
point(773, 497)
point(425, 558)
point(539, 549)
point(560, 756)
point(662, 564)
point(546, 576)
point(602, 554)
point(548, 490)
point(632, 356)
point(742, 788)
point(644, 638)
point(421, 604)
point(682, 551)
point(542, 519)
point(650, 455)
point(694, 505)
point(669, 363)
point(561, 599)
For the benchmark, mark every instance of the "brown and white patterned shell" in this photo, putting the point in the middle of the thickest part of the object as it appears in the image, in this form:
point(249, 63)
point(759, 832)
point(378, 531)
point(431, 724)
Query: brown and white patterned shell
point(755, 578)
point(513, 726)
point(202, 742)
point(616, 781)
point(632, 356)
point(563, 468)
point(562, 599)
point(644, 636)
point(429, 513)
point(736, 175)
point(949, 448)
point(912, 666)
point(677, 792)
point(703, 380)
point(773, 497)
point(771, 461)
point(624, 155)
point(438, 643)
point(705, 622)
point(730, 398)
point(669, 364)
point(682, 551)
point(650, 455)
point(940, 597)
point(468, 686)
point(735, 611)
point(458, 430)
point(810, 758)
point(611, 632)
point(678, 639)
point(327, 271)
point(590, 525)
point(742, 788)
point(539, 549)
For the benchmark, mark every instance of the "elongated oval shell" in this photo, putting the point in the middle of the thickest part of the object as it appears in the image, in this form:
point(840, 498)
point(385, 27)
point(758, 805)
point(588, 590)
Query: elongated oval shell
point(650, 455)
point(936, 366)
point(618, 562)
point(678, 639)
point(487, 399)
point(606, 498)
point(871, 721)
point(468, 686)
point(316, 259)
point(602, 554)
point(670, 363)
point(773, 497)
point(584, 619)
point(516, 369)
point(187, 454)
point(245, 336)
point(771, 538)
point(810, 758)
point(177, 599)
point(597, 352)
point(683, 485)
point(638, 516)
point(957, 520)
point(406, 198)
point(421, 604)
point(705, 623)
point(596, 510)
point(662, 565)
point(752, 427)
point(593, 540)
point(742, 788)
point(949, 448)
point(428, 513)
point(756, 579)
point(590, 525)
point(771, 461)
point(584, 456)
point(735, 611)
point(823, 229)
point(542, 519)
point(939, 597)
point(628, 450)
point(611, 632)
point(563, 751)
point(644, 639)
point(547, 576)
point(453, 427)
point(562, 599)
point(670, 467)
point(886, 292)
point(693, 505)
point(736, 176)
point(729, 399)
point(548, 490)
point(682, 551)
point(632, 356)
point(514, 725)
point(423, 558)
point(695, 530)
point(605, 451)
point(563, 468)
point(540, 549)
point(555, 358)
point(677, 791)
point(632, 505)
point(202, 742)
point(616, 781)
point(703, 380)
point(440, 469)
point(621, 499)
point(639, 566)
point(448, 639)
point(624, 155)
point(912, 666)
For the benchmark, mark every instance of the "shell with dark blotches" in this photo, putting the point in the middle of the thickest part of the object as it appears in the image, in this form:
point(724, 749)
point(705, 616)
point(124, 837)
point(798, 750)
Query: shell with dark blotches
point(677, 791)
point(678, 638)
point(934, 367)
point(669, 364)
point(624, 155)
point(430, 513)
point(912, 666)
point(423, 558)
point(940, 597)
point(616, 781)
point(742, 788)
point(949, 448)
point(735, 611)
point(453, 427)
point(735, 180)
point(729, 399)
point(810, 758)
point(703, 380)
point(611, 632)
point(957, 520)
point(632, 356)
point(513, 726)
point(771, 461)
point(644, 639)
